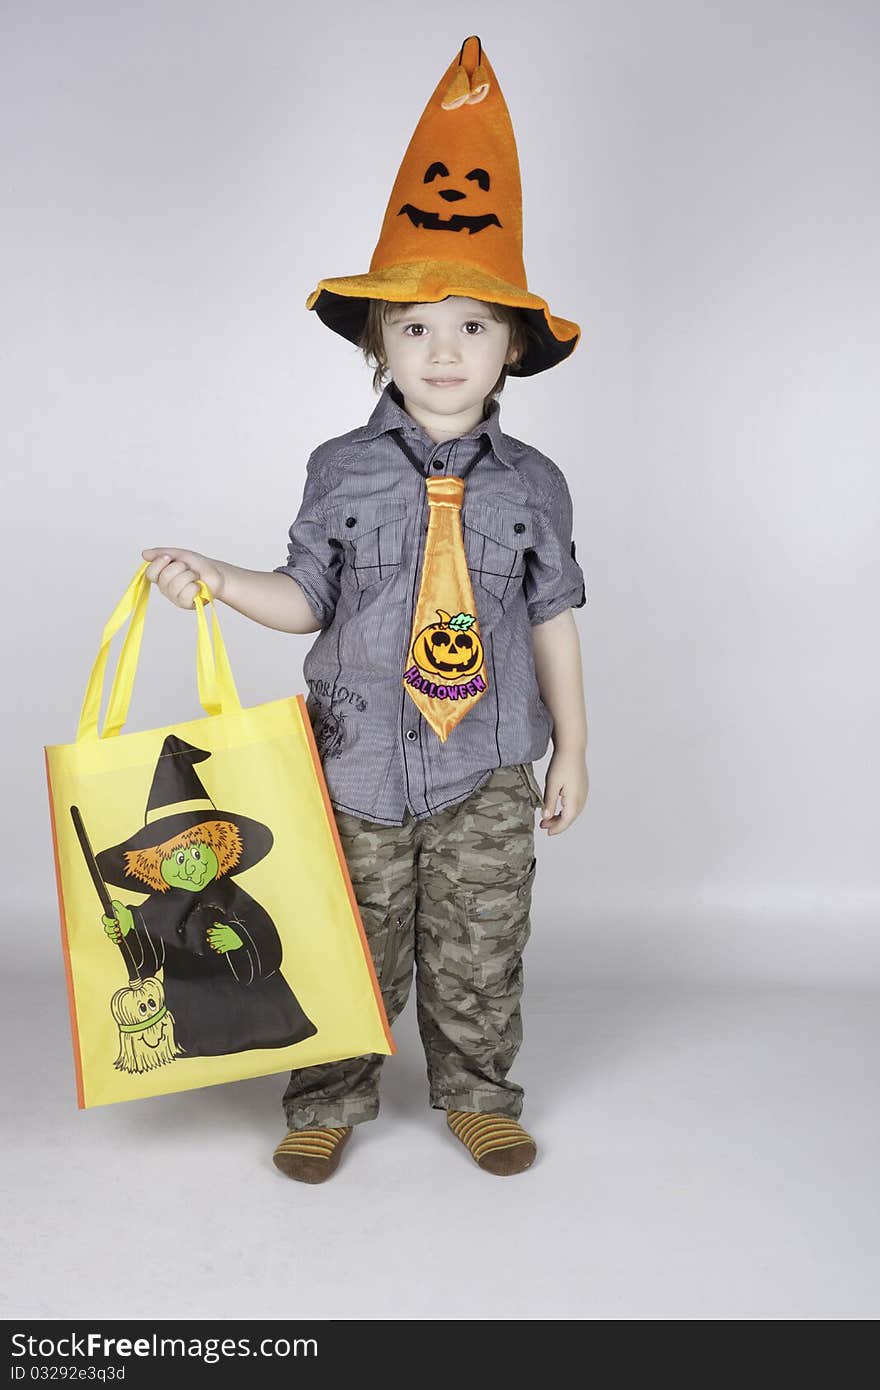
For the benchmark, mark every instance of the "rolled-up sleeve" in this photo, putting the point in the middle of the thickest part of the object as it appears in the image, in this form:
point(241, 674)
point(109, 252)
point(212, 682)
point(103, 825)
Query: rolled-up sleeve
point(553, 580)
point(313, 558)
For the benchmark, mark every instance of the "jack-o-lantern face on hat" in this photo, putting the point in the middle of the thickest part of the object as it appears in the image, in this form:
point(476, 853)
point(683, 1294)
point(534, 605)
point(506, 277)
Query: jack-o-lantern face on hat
point(451, 647)
point(460, 173)
point(470, 219)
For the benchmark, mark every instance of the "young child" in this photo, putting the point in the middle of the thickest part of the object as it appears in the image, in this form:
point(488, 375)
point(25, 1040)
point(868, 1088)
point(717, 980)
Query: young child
point(427, 730)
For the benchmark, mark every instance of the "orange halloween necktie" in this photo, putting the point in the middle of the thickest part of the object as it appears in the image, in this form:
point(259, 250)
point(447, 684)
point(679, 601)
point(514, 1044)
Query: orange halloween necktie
point(445, 673)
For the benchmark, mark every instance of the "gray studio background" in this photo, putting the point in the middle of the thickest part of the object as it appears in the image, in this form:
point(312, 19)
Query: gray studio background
point(700, 194)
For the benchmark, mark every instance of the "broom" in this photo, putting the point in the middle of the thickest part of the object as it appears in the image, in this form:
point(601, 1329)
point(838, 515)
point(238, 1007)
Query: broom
point(145, 1042)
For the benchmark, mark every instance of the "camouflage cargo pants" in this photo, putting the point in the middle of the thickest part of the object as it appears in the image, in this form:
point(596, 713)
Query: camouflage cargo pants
point(450, 896)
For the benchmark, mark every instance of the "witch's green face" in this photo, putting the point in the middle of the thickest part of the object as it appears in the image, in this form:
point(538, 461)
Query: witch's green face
point(191, 867)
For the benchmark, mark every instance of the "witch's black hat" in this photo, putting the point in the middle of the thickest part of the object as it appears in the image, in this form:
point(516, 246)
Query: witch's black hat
point(178, 800)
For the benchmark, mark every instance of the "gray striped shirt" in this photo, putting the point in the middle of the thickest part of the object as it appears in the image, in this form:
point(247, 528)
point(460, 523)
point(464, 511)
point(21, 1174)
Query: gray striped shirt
point(356, 551)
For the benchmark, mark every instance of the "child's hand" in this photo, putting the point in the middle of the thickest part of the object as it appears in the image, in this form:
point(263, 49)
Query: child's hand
point(568, 779)
point(177, 572)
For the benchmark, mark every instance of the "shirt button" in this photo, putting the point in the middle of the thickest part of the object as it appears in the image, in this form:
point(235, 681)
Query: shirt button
point(438, 463)
point(411, 734)
point(351, 521)
point(519, 526)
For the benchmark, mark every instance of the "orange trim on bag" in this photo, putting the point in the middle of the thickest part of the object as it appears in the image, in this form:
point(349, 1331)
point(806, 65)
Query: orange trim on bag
point(322, 783)
point(71, 999)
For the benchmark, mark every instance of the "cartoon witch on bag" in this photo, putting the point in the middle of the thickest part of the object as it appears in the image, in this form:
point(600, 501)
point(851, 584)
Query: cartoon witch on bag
point(209, 961)
point(218, 949)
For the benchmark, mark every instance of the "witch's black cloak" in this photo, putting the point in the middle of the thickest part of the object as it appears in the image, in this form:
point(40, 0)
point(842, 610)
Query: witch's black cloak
point(221, 1003)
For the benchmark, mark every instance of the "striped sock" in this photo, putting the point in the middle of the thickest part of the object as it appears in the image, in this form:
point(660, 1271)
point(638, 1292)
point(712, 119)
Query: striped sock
point(496, 1142)
point(311, 1155)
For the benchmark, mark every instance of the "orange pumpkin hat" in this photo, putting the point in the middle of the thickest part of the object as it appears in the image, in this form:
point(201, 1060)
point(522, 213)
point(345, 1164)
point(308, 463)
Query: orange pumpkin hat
point(453, 225)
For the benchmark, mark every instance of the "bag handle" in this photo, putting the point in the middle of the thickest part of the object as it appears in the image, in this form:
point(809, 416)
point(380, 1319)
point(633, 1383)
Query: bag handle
point(217, 692)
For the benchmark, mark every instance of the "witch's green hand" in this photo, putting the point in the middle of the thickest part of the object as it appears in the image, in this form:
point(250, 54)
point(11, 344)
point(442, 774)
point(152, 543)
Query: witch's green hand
point(119, 926)
point(222, 938)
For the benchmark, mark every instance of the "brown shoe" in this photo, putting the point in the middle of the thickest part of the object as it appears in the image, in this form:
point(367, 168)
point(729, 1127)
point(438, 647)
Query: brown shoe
point(311, 1155)
point(496, 1142)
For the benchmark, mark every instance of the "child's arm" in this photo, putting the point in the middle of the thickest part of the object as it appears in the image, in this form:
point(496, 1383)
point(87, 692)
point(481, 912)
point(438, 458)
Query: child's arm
point(554, 584)
point(560, 680)
point(275, 600)
point(299, 596)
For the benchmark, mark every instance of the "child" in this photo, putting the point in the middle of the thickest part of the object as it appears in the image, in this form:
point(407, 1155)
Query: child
point(427, 730)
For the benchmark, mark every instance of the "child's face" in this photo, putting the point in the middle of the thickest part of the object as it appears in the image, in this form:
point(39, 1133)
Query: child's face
point(455, 339)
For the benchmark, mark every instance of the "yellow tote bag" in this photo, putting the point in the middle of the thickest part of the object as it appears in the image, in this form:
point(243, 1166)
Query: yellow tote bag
point(209, 925)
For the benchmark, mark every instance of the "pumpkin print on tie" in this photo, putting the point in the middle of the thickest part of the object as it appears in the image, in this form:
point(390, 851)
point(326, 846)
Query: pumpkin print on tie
point(445, 673)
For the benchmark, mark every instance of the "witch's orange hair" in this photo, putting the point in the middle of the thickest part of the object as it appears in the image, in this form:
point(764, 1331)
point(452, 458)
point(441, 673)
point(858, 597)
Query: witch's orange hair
point(223, 837)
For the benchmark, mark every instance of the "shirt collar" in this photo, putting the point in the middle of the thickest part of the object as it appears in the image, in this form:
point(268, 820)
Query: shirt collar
point(389, 414)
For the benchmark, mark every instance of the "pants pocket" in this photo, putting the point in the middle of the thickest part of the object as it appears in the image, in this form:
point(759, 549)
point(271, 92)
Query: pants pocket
point(394, 938)
point(498, 926)
point(527, 774)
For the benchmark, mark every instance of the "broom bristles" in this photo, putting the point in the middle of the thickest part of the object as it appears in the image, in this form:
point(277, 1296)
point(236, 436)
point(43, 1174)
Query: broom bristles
point(137, 1057)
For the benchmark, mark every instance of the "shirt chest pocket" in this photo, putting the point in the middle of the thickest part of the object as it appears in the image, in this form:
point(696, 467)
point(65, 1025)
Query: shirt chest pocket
point(496, 538)
point(371, 534)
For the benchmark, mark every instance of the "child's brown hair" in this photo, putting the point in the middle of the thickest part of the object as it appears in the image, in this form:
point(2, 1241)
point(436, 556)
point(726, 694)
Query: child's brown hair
point(373, 348)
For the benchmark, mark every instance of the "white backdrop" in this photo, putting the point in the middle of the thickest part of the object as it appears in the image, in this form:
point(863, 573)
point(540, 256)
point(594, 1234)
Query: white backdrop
point(700, 194)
